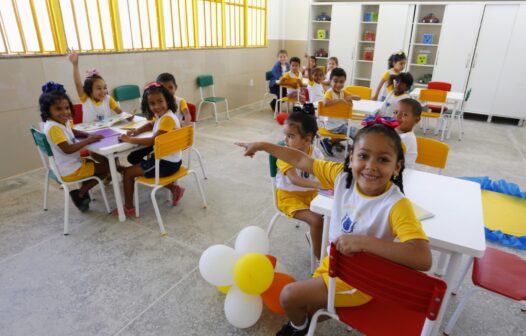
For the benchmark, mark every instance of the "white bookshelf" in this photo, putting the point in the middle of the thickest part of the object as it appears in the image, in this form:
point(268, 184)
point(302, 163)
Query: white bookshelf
point(316, 43)
point(368, 25)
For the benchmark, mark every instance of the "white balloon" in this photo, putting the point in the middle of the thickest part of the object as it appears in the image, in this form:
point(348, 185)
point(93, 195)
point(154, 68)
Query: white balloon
point(242, 310)
point(252, 239)
point(217, 265)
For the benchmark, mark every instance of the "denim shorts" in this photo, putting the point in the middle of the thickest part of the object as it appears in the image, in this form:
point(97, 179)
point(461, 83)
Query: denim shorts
point(166, 168)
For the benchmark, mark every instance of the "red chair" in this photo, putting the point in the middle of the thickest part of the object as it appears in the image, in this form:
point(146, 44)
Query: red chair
point(77, 114)
point(405, 301)
point(438, 86)
point(193, 115)
point(498, 272)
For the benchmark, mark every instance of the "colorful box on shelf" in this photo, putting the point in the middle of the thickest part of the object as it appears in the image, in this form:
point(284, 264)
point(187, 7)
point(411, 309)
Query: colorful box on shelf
point(427, 38)
point(368, 54)
point(322, 34)
point(370, 16)
point(369, 36)
point(423, 57)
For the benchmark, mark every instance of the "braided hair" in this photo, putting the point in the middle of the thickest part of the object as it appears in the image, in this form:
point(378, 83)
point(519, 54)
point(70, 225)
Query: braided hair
point(397, 143)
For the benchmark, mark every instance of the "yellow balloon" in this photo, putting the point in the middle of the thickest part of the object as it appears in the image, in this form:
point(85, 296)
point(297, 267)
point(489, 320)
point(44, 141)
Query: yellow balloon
point(224, 289)
point(253, 273)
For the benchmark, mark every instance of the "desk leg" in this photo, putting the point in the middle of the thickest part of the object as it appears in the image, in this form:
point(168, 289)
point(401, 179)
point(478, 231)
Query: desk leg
point(451, 272)
point(325, 237)
point(116, 187)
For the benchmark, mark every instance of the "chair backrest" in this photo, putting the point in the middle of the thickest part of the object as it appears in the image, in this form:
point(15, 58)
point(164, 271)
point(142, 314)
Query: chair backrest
point(205, 80)
point(126, 92)
point(173, 142)
point(268, 75)
point(41, 142)
point(77, 114)
point(339, 110)
point(444, 86)
point(431, 152)
point(192, 110)
point(363, 92)
point(468, 94)
point(389, 282)
point(429, 95)
point(272, 161)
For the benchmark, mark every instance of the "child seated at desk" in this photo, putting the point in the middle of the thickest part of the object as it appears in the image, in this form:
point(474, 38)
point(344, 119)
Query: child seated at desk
point(293, 78)
point(315, 86)
point(408, 114)
point(55, 111)
point(401, 84)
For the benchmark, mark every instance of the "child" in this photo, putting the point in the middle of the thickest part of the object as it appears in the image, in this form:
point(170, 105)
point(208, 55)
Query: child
point(279, 68)
point(336, 94)
point(293, 78)
point(93, 94)
point(311, 64)
point(396, 64)
point(401, 82)
point(408, 114)
point(55, 111)
point(295, 188)
point(369, 212)
point(156, 100)
point(332, 63)
point(168, 81)
point(315, 88)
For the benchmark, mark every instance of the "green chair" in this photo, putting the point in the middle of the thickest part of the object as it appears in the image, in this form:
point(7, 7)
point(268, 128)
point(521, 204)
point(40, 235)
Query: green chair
point(126, 92)
point(206, 82)
point(268, 77)
point(46, 154)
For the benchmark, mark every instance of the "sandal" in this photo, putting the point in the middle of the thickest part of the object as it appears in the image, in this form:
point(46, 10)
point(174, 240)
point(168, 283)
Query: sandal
point(177, 197)
point(128, 212)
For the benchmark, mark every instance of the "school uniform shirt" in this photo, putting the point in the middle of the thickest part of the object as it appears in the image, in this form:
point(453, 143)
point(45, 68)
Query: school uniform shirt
point(168, 122)
point(391, 103)
point(181, 106)
point(57, 133)
point(91, 108)
point(316, 92)
point(290, 197)
point(332, 123)
point(411, 148)
point(291, 75)
point(387, 88)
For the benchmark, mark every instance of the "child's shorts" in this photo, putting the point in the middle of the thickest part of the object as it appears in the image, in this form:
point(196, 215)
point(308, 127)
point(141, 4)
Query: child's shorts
point(346, 295)
point(166, 168)
point(87, 169)
point(291, 201)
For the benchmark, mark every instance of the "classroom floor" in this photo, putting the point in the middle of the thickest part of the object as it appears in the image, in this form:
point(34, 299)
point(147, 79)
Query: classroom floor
point(113, 278)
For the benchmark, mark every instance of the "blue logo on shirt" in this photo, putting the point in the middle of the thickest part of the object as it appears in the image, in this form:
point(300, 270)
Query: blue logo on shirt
point(347, 224)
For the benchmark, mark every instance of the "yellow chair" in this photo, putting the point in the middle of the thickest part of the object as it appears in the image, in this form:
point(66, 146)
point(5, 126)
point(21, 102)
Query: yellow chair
point(286, 99)
point(438, 98)
point(432, 153)
point(166, 144)
point(363, 92)
point(339, 110)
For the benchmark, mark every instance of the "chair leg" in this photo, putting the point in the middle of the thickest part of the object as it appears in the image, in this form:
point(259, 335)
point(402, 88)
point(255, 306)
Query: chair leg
point(441, 265)
point(227, 112)
point(103, 192)
point(198, 110)
point(465, 269)
point(312, 257)
point(272, 222)
point(188, 166)
point(46, 189)
point(136, 199)
point(460, 127)
point(316, 316)
point(453, 320)
point(201, 191)
point(200, 161)
point(157, 212)
point(66, 209)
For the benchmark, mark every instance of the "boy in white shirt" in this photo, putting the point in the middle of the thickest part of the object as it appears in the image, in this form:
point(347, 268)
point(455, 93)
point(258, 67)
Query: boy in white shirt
point(402, 83)
point(408, 114)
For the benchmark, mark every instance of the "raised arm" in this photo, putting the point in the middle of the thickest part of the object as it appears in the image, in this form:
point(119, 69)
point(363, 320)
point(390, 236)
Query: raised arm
point(294, 157)
point(74, 59)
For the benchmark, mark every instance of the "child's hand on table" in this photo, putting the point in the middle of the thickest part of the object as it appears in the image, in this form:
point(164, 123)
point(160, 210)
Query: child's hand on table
point(125, 137)
point(94, 138)
point(132, 133)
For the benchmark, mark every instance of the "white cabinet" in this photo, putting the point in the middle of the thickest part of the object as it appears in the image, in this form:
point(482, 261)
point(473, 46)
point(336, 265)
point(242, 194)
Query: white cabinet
point(489, 60)
point(344, 35)
point(392, 35)
point(458, 38)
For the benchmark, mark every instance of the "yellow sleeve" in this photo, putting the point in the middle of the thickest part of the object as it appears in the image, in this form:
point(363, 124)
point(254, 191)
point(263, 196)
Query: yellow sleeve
point(183, 105)
point(283, 166)
point(113, 103)
point(386, 75)
point(166, 124)
point(404, 223)
point(83, 98)
point(404, 147)
point(328, 95)
point(311, 82)
point(326, 172)
point(286, 75)
point(57, 135)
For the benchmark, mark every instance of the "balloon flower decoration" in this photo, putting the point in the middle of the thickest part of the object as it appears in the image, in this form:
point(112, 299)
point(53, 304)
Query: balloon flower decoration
point(248, 275)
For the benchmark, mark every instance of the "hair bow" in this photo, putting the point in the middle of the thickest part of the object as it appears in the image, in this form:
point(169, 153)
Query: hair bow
point(388, 121)
point(92, 72)
point(52, 86)
point(151, 85)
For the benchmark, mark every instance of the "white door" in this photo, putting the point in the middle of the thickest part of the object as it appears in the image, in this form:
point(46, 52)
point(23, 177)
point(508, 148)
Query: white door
point(490, 54)
point(511, 91)
point(458, 38)
point(392, 35)
point(345, 25)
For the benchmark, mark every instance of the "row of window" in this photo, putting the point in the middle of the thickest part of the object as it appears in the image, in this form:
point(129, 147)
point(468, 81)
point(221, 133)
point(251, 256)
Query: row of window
point(52, 26)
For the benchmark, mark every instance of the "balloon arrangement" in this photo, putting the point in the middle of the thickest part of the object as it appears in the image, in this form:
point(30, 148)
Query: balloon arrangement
point(247, 275)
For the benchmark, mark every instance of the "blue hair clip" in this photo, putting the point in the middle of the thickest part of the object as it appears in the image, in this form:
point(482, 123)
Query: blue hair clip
point(52, 86)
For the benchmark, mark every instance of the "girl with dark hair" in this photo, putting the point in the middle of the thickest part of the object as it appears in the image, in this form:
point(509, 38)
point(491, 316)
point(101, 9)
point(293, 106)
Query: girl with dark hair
point(396, 64)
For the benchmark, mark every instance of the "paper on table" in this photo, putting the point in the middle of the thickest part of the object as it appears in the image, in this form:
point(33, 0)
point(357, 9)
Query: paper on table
point(133, 125)
point(103, 124)
point(421, 213)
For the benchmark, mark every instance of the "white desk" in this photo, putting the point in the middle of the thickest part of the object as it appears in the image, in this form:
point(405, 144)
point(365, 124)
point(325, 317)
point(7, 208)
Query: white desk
point(366, 106)
point(458, 225)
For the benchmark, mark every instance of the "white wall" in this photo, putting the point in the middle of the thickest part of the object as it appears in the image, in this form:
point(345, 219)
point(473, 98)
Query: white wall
point(274, 21)
point(295, 19)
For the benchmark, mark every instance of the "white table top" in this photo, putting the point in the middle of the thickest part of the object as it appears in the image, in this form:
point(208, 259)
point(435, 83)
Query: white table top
point(451, 95)
point(458, 225)
point(366, 106)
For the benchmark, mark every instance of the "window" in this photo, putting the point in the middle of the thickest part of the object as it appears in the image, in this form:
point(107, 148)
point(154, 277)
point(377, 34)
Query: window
point(52, 26)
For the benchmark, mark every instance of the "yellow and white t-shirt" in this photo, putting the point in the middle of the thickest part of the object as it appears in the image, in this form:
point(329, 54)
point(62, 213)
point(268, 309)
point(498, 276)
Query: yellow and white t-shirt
point(57, 133)
point(391, 103)
point(411, 148)
point(168, 122)
point(91, 109)
point(387, 216)
point(291, 75)
point(385, 87)
point(316, 92)
point(181, 106)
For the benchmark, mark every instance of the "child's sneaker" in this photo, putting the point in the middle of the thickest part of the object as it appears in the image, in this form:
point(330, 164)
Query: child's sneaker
point(289, 330)
point(326, 146)
point(82, 203)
